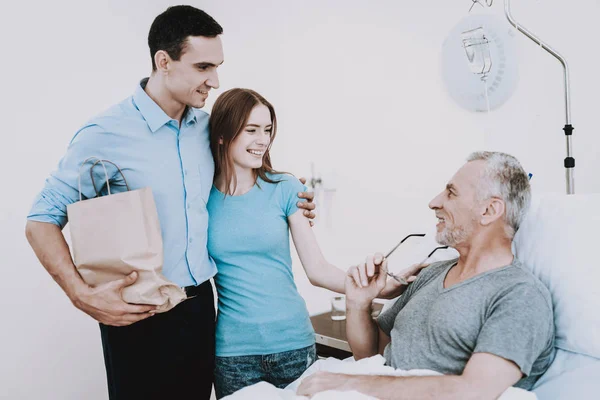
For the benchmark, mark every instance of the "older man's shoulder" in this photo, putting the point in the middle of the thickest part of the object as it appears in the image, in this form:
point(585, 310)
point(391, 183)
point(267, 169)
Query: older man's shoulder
point(520, 278)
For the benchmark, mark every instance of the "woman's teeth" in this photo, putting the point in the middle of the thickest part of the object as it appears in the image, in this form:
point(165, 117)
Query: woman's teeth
point(256, 152)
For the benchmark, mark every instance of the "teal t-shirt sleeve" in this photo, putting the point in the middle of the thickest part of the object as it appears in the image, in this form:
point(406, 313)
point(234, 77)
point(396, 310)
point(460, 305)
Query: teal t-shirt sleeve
point(289, 187)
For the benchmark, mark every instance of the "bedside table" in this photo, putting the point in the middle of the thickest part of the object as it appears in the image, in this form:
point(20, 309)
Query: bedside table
point(331, 335)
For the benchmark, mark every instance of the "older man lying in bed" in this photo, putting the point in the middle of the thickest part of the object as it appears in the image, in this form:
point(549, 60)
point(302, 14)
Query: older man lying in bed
point(482, 320)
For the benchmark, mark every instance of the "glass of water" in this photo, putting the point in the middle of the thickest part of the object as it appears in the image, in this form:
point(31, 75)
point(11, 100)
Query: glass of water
point(338, 308)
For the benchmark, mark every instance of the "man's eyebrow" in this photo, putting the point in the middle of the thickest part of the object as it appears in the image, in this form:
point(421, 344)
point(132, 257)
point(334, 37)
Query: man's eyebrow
point(207, 64)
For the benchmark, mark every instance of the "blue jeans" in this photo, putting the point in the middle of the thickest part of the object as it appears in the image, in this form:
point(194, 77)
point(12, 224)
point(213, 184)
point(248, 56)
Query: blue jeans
point(279, 369)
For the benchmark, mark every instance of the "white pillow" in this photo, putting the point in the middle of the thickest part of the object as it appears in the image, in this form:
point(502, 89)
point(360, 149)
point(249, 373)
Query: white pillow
point(571, 376)
point(557, 242)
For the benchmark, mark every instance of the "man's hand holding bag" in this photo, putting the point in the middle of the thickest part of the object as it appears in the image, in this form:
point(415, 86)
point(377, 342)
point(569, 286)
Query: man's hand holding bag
point(117, 234)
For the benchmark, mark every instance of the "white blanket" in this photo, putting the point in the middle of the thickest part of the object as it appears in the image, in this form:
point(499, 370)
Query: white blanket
point(369, 366)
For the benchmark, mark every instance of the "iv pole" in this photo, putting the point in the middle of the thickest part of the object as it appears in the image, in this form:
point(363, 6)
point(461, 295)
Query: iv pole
point(569, 160)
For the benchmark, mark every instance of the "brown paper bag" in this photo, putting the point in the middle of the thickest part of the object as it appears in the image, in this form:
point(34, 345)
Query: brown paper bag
point(117, 234)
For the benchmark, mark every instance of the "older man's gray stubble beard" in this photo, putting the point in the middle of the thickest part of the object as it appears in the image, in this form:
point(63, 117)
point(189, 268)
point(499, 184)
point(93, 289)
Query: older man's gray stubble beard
point(452, 236)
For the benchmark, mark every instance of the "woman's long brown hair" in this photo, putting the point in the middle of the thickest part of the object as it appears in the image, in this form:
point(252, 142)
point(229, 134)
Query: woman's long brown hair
point(228, 119)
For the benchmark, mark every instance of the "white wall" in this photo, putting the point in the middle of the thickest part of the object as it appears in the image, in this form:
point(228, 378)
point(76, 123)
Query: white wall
point(358, 92)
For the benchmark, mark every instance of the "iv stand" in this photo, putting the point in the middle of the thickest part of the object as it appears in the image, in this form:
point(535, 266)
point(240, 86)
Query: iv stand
point(569, 160)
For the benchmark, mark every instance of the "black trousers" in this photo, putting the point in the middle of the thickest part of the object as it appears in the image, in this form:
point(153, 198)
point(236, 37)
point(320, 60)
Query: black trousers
point(167, 356)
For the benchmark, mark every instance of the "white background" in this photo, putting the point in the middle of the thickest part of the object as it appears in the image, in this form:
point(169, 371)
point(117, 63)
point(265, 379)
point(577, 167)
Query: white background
point(358, 91)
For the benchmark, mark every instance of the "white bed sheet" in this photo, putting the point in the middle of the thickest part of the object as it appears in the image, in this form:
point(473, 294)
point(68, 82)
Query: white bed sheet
point(369, 366)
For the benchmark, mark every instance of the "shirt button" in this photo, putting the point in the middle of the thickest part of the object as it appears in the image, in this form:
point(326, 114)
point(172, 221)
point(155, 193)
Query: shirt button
point(185, 172)
point(191, 240)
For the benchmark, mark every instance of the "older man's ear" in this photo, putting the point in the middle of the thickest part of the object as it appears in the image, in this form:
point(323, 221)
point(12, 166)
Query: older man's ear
point(494, 211)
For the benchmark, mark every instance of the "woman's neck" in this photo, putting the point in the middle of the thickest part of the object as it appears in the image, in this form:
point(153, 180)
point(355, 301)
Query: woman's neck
point(246, 179)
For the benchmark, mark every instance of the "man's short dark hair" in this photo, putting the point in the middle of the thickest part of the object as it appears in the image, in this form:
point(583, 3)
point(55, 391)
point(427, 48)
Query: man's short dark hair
point(170, 30)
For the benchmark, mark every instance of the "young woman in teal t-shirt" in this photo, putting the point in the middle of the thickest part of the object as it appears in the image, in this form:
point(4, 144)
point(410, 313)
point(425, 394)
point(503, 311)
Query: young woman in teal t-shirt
point(263, 328)
point(264, 331)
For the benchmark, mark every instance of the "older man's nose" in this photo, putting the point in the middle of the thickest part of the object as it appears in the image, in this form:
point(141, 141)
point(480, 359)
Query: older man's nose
point(436, 202)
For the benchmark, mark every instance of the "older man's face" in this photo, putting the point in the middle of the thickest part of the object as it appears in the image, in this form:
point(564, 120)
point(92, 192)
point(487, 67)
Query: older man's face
point(455, 207)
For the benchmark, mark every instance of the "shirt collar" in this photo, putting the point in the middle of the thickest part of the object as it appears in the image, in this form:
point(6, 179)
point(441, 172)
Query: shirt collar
point(154, 115)
point(190, 116)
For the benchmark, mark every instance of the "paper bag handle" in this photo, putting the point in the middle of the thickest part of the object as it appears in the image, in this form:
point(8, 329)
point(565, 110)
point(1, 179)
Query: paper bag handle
point(106, 175)
point(101, 161)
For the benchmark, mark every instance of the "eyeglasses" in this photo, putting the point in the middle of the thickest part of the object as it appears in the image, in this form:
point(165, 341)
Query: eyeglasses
point(401, 279)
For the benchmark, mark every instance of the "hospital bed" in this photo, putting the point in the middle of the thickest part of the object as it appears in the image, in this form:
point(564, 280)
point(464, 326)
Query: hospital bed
point(557, 242)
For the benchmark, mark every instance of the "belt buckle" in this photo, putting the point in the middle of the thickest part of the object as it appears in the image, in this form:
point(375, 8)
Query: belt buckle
point(187, 296)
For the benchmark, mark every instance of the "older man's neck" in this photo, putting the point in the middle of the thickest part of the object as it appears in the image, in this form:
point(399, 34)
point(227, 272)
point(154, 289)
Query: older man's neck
point(484, 253)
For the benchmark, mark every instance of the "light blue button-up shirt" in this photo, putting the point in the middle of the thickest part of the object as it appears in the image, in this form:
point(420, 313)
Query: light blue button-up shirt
point(152, 150)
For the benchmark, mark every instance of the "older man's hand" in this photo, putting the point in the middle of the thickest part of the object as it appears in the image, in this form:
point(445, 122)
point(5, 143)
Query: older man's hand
point(393, 288)
point(364, 282)
point(322, 381)
point(364, 274)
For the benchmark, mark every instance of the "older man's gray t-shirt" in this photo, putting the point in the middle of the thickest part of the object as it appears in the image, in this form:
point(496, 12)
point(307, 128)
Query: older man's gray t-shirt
point(506, 312)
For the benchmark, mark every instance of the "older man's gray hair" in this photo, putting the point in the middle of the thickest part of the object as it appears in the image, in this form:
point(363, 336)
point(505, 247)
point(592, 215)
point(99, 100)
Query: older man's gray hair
point(505, 178)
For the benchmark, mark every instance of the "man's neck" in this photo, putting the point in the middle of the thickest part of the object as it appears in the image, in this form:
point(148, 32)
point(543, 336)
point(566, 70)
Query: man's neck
point(156, 90)
point(484, 253)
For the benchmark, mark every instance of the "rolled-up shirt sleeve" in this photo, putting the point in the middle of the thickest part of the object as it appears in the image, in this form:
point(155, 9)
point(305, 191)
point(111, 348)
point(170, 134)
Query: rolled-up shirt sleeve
point(62, 188)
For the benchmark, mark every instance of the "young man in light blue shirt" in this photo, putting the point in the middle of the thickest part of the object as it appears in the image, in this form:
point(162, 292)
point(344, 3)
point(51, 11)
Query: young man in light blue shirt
point(159, 138)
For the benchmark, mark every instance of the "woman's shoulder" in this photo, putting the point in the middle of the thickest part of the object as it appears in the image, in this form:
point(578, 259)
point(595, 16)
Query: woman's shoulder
point(284, 179)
